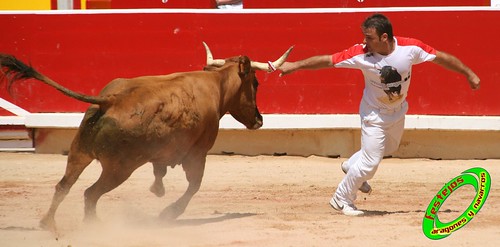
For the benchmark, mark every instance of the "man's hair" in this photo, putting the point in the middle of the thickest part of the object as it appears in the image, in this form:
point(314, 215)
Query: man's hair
point(381, 24)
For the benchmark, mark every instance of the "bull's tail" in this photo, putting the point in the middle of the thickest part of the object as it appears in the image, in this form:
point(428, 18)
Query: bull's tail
point(14, 70)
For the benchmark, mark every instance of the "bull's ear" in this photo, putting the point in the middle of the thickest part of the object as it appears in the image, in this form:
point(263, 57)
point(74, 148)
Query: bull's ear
point(244, 64)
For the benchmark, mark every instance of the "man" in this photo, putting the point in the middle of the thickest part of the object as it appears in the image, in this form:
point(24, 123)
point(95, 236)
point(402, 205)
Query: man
point(386, 63)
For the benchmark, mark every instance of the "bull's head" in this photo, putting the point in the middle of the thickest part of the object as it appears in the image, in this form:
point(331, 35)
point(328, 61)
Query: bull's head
point(244, 107)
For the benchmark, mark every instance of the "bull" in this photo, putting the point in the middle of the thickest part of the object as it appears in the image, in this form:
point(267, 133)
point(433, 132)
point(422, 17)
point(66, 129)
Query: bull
point(166, 120)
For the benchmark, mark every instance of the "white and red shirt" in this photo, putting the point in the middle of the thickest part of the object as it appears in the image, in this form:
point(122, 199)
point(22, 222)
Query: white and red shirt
point(387, 78)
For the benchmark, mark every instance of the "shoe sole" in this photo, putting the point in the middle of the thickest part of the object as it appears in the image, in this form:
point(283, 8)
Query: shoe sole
point(353, 213)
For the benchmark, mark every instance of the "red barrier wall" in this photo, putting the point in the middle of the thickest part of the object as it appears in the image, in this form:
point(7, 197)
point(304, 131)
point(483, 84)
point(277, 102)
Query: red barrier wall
point(85, 51)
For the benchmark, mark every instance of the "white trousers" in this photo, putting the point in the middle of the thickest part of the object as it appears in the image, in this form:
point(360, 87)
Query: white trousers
point(381, 132)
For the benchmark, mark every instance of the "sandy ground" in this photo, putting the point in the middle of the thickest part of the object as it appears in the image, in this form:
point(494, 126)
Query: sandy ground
point(245, 201)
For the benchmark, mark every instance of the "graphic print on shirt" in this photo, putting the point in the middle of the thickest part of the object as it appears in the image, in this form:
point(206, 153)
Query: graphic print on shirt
point(391, 84)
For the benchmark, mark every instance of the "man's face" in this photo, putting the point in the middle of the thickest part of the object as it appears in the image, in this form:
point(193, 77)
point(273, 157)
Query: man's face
point(373, 42)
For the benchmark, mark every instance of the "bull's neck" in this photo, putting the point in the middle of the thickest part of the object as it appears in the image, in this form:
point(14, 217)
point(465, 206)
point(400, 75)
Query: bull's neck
point(230, 84)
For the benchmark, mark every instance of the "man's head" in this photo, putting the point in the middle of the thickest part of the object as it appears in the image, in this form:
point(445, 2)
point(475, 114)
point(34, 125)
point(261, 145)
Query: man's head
point(377, 30)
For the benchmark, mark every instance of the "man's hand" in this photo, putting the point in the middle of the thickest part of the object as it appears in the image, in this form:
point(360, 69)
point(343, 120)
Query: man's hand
point(286, 68)
point(474, 81)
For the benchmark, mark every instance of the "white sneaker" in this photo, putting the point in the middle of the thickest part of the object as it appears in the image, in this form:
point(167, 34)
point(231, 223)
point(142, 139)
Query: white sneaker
point(365, 187)
point(346, 209)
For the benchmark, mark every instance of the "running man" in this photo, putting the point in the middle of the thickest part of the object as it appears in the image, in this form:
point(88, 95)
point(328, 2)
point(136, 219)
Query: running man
point(386, 62)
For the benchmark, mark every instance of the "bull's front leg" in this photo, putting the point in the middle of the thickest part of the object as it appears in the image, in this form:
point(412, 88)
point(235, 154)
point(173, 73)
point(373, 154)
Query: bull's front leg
point(159, 170)
point(194, 168)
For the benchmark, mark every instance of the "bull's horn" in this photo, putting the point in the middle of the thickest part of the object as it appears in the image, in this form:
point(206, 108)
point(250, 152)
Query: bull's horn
point(270, 67)
point(210, 58)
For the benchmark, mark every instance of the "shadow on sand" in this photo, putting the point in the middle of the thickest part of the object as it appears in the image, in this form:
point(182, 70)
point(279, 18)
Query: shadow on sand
point(218, 218)
point(382, 213)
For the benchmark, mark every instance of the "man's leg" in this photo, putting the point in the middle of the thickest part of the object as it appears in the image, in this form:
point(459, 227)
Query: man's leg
point(393, 136)
point(365, 187)
point(364, 168)
point(363, 164)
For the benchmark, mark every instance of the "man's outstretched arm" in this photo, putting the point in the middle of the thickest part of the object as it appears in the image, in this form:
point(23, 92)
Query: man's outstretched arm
point(452, 63)
point(315, 62)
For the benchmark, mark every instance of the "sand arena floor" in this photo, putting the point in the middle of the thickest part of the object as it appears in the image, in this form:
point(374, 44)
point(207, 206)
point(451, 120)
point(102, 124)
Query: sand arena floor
point(245, 201)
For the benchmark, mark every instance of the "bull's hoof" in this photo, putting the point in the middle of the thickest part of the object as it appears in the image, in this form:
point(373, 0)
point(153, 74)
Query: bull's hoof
point(48, 223)
point(171, 212)
point(157, 189)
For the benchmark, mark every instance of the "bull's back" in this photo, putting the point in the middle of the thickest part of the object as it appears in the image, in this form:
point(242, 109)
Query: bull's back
point(155, 116)
point(177, 100)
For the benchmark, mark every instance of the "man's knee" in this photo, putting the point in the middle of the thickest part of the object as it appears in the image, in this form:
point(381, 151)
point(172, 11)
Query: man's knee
point(369, 167)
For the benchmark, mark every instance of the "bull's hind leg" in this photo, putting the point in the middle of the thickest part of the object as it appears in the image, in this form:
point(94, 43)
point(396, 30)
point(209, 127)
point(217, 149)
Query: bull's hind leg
point(77, 162)
point(159, 170)
point(194, 168)
point(113, 174)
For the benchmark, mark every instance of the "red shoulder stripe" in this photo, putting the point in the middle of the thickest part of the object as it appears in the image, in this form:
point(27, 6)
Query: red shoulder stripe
point(348, 53)
point(403, 41)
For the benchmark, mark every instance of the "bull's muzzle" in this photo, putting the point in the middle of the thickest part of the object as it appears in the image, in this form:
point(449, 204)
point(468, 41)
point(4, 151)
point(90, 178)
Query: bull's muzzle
point(258, 123)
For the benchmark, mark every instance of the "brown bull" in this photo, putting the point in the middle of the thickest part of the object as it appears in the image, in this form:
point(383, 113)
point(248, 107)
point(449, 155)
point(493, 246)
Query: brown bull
point(166, 120)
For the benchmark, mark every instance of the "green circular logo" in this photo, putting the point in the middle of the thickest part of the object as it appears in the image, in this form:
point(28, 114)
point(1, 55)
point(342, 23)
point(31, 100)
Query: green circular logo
point(480, 179)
